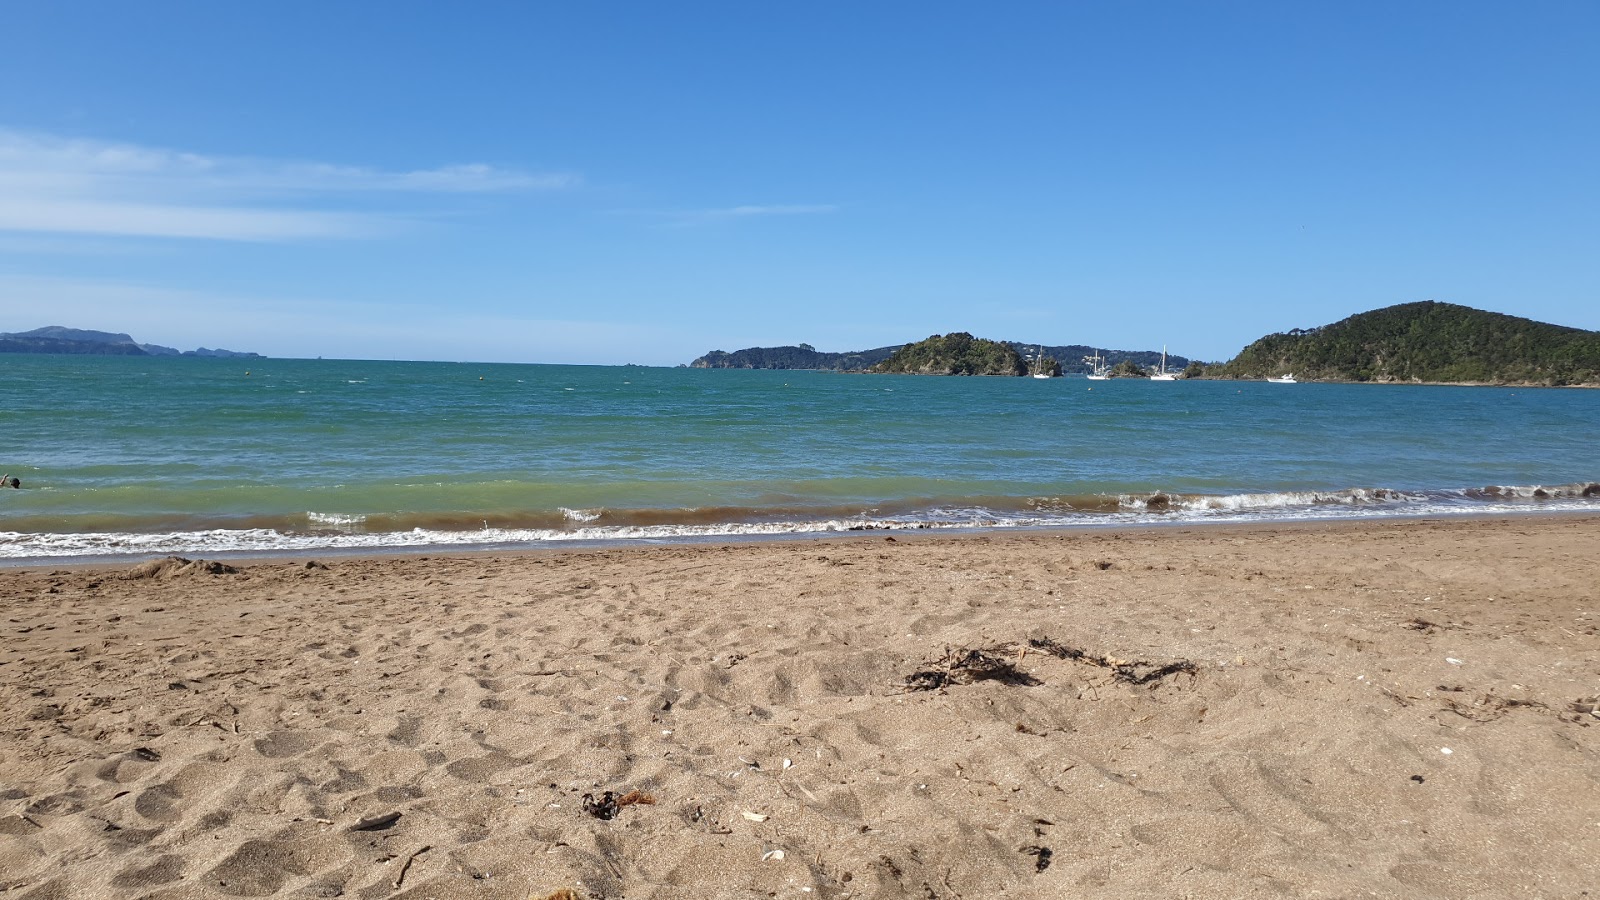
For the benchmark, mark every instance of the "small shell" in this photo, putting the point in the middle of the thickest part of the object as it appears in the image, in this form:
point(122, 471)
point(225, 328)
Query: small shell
point(772, 854)
point(754, 816)
point(787, 763)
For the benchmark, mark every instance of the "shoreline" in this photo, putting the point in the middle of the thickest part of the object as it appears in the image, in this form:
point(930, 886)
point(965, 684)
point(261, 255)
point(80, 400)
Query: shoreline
point(1235, 711)
point(591, 545)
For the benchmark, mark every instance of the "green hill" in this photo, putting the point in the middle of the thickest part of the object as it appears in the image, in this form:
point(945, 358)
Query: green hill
point(1426, 342)
point(957, 353)
point(60, 339)
point(803, 356)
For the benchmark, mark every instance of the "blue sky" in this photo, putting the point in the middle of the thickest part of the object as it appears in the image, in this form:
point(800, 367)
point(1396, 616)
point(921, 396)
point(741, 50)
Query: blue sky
point(643, 182)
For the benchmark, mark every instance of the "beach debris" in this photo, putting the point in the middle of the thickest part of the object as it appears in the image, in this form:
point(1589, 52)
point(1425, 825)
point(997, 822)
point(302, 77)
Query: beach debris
point(1452, 660)
point(965, 665)
point(1126, 671)
point(755, 816)
point(604, 808)
point(772, 854)
point(788, 763)
point(1422, 625)
point(1418, 779)
point(178, 567)
point(610, 804)
point(406, 866)
point(1489, 707)
point(561, 894)
point(1041, 857)
point(377, 823)
point(1446, 751)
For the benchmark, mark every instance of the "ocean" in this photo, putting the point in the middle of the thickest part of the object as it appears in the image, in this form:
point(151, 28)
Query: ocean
point(135, 457)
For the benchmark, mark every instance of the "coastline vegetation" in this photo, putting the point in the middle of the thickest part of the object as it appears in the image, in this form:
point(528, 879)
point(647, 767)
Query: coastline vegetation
point(957, 353)
point(1426, 341)
point(801, 356)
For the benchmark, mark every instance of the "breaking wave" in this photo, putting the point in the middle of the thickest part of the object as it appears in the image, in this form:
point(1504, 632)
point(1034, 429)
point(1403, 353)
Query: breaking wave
point(331, 532)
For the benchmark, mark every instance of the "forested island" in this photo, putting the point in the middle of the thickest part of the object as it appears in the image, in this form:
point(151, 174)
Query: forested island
point(1425, 341)
point(1422, 342)
point(60, 339)
point(957, 353)
point(804, 356)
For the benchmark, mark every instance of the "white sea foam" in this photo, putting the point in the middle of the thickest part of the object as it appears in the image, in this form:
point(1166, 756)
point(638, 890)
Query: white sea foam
point(1275, 500)
point(580, 515)
point(336, 519)
point(1134, 510)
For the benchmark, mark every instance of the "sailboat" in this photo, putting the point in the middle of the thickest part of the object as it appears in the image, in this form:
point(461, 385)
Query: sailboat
point(1162, 374)
point(1039, 371)
point(1097, 367)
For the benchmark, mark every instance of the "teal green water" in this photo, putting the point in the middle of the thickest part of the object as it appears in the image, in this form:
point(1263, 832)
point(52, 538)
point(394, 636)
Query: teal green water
point(143, 454)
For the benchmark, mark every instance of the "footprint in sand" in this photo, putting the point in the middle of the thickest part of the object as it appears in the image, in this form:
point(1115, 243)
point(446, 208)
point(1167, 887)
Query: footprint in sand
point(281, 744)
point(260, 868)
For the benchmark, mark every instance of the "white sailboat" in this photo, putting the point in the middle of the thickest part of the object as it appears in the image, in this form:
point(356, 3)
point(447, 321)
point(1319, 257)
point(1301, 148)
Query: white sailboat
point(1284, 379)
point(1039, 371)
point(1097, 367)
point(1162, 374)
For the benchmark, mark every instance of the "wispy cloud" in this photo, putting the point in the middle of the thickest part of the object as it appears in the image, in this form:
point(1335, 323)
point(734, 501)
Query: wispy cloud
point(729, 213)
point(50, 184)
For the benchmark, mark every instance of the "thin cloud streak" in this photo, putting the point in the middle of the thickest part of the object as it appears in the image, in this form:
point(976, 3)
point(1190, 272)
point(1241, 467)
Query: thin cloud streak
point(75, 186)
point(730, 213)
point(166, 221)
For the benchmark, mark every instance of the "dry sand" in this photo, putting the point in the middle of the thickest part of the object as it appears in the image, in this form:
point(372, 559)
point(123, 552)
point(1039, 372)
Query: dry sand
point(1374, 710)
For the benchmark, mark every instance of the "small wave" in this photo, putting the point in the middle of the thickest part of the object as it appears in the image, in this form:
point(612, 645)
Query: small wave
point(1537, 491)
point(1276, 500)
point(337, 519)
point(333, 532)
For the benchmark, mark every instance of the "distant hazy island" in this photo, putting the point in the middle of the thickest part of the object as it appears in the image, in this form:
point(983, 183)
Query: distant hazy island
point(1425, 342)
point(59, 339)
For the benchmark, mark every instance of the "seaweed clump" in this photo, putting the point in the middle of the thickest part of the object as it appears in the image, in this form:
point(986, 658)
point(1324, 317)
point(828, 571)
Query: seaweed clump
point(1126, 671)
point(965, 665)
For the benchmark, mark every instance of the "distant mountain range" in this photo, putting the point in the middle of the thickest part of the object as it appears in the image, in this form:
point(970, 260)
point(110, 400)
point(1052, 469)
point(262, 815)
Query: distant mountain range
point(59, 339)
point(1425, 342)
point(804, 356)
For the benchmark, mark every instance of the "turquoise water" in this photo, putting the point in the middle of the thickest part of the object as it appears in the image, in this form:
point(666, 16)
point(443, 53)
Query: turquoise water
point(144, 455)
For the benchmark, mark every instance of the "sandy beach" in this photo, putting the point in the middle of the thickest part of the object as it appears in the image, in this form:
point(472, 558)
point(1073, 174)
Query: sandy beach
point(1369, 709)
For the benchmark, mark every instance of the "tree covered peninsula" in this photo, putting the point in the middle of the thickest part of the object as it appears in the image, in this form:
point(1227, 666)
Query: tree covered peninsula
point(1426, 342)
point(1061, 359)
point(802, 356)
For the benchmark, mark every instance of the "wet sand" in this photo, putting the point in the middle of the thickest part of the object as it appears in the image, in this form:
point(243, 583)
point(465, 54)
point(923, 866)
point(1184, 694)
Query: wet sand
point(1373, 709)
